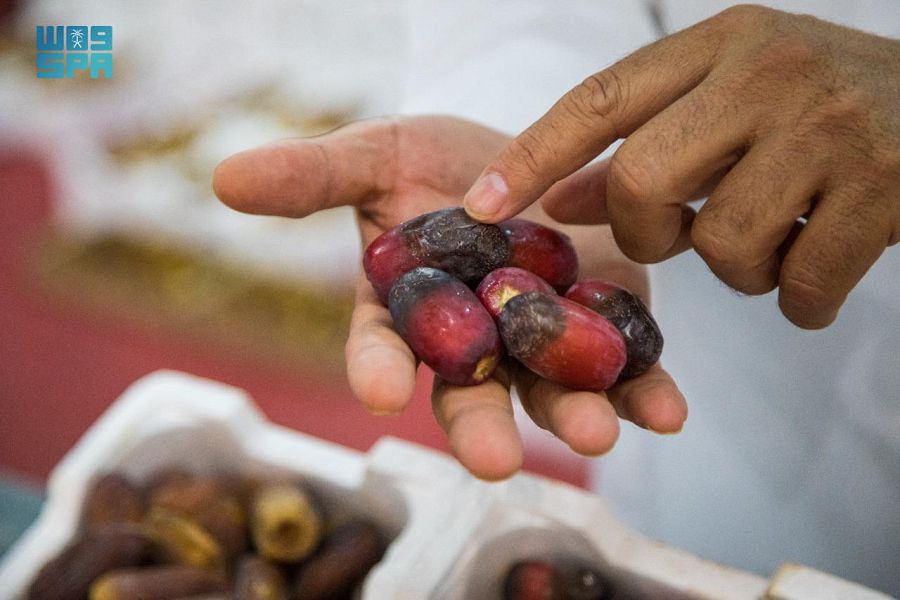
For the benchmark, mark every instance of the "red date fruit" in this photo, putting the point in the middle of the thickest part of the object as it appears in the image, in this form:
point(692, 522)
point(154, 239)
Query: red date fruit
point(562, 341)
point(643, 339)
point(545, 252)
point(445, 325)
point(345, 558)
point(500, 285)
point(544, 580)
point(386, 259)
point(446, 239)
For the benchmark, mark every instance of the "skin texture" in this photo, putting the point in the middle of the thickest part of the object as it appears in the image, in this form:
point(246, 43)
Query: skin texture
point(789, 124)
point(391, 170)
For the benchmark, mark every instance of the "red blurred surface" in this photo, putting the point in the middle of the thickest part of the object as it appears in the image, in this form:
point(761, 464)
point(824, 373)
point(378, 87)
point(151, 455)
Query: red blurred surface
point(60, 367)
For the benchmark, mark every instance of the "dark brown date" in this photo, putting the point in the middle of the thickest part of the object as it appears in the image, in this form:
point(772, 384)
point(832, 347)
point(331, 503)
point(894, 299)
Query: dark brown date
point(446, 239)
point(157, 583)
point(113, 499)
point(643, 339)
point(96, 551)
point(345, 558)
point(179, 539)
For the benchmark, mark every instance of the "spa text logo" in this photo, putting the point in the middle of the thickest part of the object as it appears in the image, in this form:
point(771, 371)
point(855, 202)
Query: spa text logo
point(64, 49)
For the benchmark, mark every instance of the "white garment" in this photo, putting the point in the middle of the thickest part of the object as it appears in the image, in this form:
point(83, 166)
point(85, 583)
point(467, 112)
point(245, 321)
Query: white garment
point(792, 448)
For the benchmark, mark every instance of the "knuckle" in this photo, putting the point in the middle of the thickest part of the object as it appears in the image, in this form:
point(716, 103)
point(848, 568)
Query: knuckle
point(854, 209)
point(744, 12)
point(629, 179)
point(525, 153)
point(601, 95)
point(886, 155)
point(844, 110)
point(744, 16)
point(792, 52)
point(803, 290)
point(714, 244)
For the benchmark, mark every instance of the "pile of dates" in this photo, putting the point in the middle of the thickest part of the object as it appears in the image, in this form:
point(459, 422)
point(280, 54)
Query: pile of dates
point(560, 579)
point(463, 293)
point(182, 536)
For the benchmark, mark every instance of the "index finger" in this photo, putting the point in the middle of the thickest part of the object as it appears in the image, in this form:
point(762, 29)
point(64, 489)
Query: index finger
point(299, 176)
point(606, 106)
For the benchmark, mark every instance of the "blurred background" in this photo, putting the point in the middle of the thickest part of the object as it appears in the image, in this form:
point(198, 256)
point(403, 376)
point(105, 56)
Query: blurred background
point(117, 260)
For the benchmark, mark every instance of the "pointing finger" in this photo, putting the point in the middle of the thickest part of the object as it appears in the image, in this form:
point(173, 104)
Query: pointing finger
point(605, 107)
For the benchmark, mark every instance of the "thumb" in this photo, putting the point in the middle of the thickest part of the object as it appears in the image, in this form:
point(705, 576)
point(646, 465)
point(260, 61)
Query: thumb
point(603, 108)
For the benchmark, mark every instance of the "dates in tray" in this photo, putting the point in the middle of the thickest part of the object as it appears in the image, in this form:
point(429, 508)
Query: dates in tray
point(598, 333)
point(559, 579)
point(181, 536)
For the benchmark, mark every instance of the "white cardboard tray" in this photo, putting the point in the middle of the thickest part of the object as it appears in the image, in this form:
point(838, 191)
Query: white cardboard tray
point(455, 536)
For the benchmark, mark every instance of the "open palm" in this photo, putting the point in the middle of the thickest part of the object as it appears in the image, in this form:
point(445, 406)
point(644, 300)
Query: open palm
point(391, 170)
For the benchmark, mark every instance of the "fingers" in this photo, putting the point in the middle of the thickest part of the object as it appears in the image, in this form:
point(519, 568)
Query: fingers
point(580, 198)
point(584, 420)
point(605, 107)
point(480, 426)
point(666, 162)
point(297, 177)
point(651, 400)
point(844, 236)
point(750, 214)
point(588, 422)
point(381, 368)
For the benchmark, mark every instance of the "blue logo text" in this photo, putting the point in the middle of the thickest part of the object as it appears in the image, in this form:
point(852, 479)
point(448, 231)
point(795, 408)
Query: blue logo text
point(64, 49)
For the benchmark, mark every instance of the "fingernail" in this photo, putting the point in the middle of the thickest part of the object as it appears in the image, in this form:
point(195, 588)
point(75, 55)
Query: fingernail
point(658, 432)
point(486, 196)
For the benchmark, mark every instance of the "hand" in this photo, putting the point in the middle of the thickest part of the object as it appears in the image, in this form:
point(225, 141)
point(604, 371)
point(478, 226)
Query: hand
point(789, 124)
point(390, 170)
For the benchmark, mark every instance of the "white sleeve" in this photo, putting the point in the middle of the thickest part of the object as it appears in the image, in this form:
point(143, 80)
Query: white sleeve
point(504, 63)
point(881, 17)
